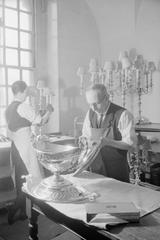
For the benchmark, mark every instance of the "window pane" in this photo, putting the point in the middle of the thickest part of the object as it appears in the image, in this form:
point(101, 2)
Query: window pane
point(1, 36)
point(3, 131)
point(13, 75)
point(2, 76)
point(12, 57)
point(2, 96)
point(26, 59)
point(0, 12)
point(10, 95)
point(11, 38)
point(11, 3)
point(27, 76)
point(1, 16)
point(1, 55)
point(25, 40)
point(25, 21)
point(11, 18)
point(2, 116)
point(26, 5)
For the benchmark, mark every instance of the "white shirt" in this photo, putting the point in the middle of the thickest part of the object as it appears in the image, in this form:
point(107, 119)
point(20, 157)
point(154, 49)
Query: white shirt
point(125, 126)
point(26, 111)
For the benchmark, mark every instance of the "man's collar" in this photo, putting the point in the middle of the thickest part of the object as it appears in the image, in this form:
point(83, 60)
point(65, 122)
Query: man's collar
point(104, 113)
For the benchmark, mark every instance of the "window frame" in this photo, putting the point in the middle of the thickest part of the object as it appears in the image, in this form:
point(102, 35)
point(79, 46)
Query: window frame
point(19, 49)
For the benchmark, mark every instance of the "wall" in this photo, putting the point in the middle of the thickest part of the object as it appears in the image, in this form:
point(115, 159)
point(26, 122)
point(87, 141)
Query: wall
point(40, 42)
point(101, 28)
point(47, 54)
point(148, 43)
point(78, 41)
point(127, 24)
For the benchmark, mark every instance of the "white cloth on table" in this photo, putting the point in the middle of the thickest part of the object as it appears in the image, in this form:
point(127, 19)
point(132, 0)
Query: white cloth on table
point(109, 190)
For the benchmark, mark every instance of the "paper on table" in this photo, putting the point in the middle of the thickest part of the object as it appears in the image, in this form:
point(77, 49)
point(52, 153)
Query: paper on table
point(109, 190)
point(105, 215)
point(147, 200)
point(104, 221)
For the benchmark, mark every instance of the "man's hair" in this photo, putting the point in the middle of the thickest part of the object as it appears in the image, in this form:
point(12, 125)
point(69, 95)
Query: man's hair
point(99, 87)
point(18, 86)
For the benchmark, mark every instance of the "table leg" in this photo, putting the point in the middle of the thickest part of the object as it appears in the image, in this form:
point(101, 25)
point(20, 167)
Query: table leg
point(33, 226)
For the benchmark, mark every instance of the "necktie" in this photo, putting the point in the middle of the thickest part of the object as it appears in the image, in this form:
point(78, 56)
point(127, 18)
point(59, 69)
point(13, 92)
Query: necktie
point(100, 121)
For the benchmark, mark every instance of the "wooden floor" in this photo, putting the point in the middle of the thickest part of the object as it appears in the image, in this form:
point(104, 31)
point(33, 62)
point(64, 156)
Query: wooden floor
point(19, 230)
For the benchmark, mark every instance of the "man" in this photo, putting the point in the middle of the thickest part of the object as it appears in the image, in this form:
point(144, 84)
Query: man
point(20, 116)
point(114, 127)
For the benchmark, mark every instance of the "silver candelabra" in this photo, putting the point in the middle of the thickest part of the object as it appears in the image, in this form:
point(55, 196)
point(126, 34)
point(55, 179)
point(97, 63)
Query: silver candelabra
point(131, 74)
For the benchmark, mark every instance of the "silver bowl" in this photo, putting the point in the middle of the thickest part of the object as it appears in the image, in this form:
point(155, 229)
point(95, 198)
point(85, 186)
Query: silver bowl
point(62, 160)
point(58, 158)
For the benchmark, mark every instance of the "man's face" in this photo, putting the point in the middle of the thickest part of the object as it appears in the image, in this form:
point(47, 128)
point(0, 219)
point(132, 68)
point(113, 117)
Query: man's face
point(97, 100)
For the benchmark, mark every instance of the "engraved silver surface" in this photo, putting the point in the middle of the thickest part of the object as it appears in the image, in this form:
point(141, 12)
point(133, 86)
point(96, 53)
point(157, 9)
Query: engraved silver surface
point(62, 160)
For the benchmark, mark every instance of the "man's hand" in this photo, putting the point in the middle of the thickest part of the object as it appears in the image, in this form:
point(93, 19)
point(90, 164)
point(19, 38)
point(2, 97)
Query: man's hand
point(50, 108)
point(86, 143)
point(105, 141)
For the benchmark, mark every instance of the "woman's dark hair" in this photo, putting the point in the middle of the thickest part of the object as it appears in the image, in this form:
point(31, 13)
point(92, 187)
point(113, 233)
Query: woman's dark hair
point(18, 86)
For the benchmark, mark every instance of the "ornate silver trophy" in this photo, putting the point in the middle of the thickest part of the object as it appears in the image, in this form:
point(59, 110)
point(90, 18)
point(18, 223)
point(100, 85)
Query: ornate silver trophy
point(65, 160)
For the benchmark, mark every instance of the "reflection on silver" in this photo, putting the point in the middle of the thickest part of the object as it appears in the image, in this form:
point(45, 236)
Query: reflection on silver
point(62, 160)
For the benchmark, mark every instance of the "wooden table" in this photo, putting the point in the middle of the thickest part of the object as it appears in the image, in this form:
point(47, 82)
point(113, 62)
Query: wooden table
point(67, 215)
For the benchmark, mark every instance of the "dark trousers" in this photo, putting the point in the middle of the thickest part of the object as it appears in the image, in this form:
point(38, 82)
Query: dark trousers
point(20, 169)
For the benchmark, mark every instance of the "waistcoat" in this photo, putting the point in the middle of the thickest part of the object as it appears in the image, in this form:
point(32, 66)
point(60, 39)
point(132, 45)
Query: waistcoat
point(14, 120)
point(114, 160)
point(111, 119)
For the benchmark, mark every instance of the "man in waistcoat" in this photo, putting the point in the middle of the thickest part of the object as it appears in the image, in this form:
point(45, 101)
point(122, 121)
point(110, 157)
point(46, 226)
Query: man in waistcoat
point(20, 116)
point(113, 125)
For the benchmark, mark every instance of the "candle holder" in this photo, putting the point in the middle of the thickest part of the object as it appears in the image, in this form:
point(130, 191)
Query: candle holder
point(131, 74)
point(44, 98)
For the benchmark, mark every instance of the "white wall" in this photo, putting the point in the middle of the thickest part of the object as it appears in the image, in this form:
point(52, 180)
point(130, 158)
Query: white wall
point(101, 28)
point(46, 54)
point(40, 42)
point(78, 41)
point(148, 43)
point(126, 24)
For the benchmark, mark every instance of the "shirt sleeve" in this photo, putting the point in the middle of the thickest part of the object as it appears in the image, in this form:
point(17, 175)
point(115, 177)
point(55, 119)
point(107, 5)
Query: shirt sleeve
point(27, 112)
point(127, 128)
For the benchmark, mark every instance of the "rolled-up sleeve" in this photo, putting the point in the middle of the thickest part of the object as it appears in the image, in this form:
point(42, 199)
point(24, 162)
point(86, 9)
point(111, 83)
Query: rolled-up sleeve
point(126, 127)
point(28, 112)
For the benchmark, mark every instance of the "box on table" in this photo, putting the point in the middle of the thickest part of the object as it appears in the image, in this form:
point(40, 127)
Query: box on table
point(123, 210)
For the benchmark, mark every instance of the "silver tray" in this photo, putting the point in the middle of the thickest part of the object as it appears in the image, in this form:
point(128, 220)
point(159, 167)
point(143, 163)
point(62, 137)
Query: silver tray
point(38, 190)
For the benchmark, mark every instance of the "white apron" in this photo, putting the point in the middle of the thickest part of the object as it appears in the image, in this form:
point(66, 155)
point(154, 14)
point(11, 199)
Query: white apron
point(109, 161)
point(22, 141)
point(94, 136)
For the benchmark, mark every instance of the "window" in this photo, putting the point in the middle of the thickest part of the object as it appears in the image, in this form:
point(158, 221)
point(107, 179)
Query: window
point(16, 48)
